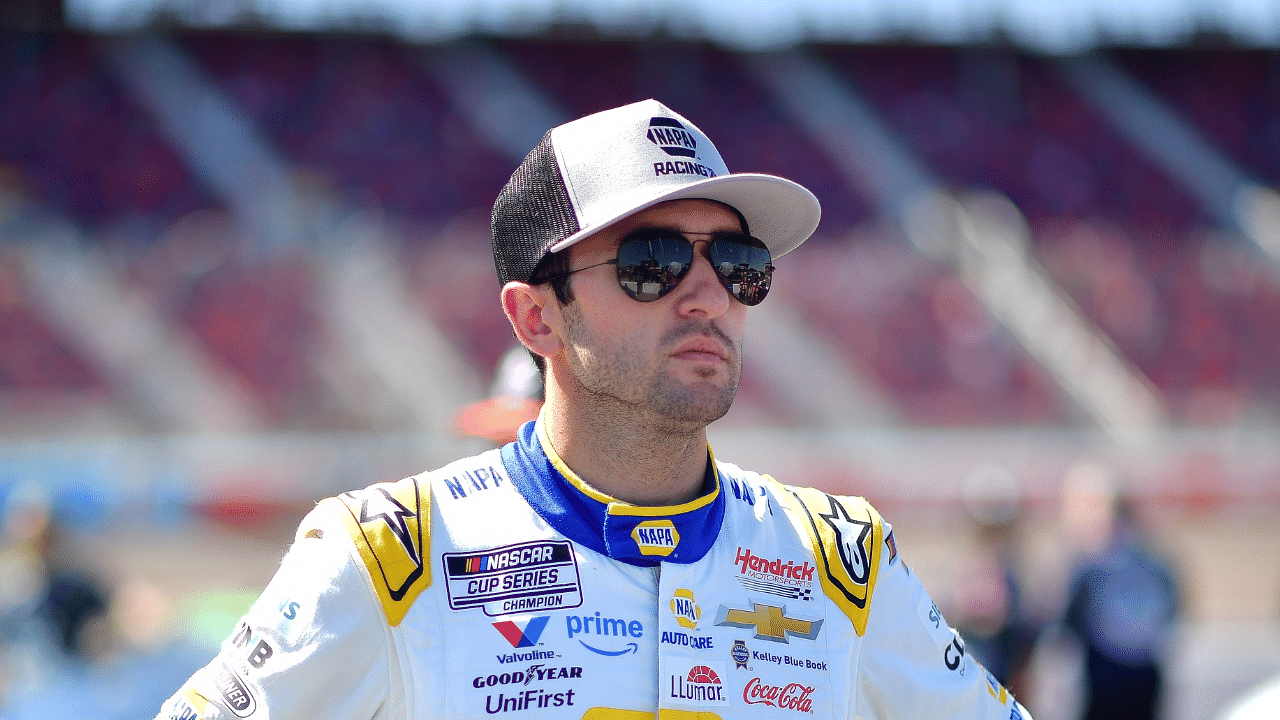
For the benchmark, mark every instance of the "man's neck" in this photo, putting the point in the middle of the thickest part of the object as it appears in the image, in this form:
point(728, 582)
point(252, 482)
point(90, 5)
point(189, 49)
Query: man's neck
point(628, 455)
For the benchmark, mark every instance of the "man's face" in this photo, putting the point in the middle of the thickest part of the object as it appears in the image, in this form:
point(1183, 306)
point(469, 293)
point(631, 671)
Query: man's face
point(678, 357)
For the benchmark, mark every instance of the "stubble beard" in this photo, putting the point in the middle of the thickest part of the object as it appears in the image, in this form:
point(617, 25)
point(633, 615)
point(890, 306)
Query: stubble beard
point(620, 377)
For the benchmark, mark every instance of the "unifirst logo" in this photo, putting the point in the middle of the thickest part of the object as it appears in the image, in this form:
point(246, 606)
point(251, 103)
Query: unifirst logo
point(685, 609)
point(656, 537)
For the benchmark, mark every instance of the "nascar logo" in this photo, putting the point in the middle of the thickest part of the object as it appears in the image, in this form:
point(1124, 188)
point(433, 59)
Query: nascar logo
point(514, 578)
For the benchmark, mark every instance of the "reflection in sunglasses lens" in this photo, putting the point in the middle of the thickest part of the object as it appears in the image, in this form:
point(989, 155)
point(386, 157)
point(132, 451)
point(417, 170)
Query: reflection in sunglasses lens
point(651, 264)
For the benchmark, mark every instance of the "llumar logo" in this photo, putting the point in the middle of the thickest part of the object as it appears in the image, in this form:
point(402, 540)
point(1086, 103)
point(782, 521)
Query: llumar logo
point(769, 621)
point(656, 537)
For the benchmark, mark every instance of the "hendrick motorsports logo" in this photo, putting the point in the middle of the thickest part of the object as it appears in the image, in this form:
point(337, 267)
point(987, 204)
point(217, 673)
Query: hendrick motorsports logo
point(776, 577)
point(514, 578)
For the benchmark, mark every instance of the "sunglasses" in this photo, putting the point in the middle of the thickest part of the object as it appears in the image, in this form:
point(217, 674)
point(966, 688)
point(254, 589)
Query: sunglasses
point(652, 262)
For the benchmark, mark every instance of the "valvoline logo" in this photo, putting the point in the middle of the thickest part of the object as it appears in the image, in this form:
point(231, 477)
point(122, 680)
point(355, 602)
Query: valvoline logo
point(526, 636)
point(656, 537)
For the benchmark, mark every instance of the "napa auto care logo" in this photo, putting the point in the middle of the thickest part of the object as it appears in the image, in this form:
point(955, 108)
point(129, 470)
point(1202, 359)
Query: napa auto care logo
point(656, 537)
point(792, 696)
point(685, 609)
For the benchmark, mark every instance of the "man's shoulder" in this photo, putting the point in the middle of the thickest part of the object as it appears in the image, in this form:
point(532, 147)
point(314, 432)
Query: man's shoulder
point(389, 524)
point(846, 534)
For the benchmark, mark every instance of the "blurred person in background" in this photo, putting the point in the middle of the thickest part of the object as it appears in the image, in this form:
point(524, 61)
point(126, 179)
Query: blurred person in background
point(1122, 600)
point(605, 564)
point(515, 397)
point(53, 611)
point(987, 595)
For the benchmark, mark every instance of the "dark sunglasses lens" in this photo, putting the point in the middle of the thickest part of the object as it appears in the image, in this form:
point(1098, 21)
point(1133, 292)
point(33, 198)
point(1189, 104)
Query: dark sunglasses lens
point(744, 266)
point(649, 267)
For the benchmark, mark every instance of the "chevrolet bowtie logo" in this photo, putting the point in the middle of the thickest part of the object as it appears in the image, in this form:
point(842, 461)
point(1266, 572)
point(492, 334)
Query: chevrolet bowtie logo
point(770, 622)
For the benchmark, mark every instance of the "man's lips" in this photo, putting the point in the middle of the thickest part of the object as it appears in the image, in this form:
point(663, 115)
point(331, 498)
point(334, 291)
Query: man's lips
point(701, 349)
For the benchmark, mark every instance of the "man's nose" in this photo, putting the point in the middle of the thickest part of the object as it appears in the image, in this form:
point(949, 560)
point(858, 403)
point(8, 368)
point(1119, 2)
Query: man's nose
point(700, 290)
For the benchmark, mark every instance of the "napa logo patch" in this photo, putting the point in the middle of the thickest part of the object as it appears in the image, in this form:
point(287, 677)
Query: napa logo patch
point(685, 609)
point(525, 577)
point(187, 704)
point(668, 134)
point(656, 537)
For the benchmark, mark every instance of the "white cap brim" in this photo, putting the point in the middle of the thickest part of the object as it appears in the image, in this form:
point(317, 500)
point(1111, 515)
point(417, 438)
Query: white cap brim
point(781, 213)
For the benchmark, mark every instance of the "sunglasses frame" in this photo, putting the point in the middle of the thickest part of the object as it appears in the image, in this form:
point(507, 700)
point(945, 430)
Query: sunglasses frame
point(753, 294)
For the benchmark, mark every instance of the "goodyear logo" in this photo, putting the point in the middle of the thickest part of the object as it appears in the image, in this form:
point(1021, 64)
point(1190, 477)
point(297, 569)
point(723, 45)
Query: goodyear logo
point(685, 609)
point(656, 537)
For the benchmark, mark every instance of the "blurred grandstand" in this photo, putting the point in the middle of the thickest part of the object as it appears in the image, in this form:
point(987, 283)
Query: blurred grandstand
point(242, 269)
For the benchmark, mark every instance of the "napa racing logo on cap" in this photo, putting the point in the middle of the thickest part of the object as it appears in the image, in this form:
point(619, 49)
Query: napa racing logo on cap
point(514, 578)
point(668, 134)
point(676, 141)
point(656, 537)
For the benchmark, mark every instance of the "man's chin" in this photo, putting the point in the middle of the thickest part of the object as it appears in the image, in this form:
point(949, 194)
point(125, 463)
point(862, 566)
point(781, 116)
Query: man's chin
point(701, 403)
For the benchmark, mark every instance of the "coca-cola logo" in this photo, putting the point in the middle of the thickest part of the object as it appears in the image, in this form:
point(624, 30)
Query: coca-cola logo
point(792, 696)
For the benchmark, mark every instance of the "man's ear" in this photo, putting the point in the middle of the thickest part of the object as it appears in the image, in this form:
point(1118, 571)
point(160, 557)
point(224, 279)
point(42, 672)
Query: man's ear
point(534, 316)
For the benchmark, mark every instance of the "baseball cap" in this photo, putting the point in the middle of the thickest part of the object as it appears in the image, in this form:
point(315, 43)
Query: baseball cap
point(592, 172)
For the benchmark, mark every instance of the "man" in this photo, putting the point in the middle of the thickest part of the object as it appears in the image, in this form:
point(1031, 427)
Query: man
point(605, 565)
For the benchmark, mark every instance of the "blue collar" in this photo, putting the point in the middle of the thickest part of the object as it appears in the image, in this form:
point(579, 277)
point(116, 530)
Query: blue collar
point(634, 534)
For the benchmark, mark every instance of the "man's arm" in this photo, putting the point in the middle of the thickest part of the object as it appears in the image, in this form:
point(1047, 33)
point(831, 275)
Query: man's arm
point(913, 664)
point(314, 644)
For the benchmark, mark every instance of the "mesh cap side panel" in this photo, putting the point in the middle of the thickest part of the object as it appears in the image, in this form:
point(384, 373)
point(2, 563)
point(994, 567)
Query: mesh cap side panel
point(531, 214)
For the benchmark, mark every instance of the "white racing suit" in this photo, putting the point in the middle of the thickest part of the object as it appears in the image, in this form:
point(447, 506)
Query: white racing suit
point(502, 586)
